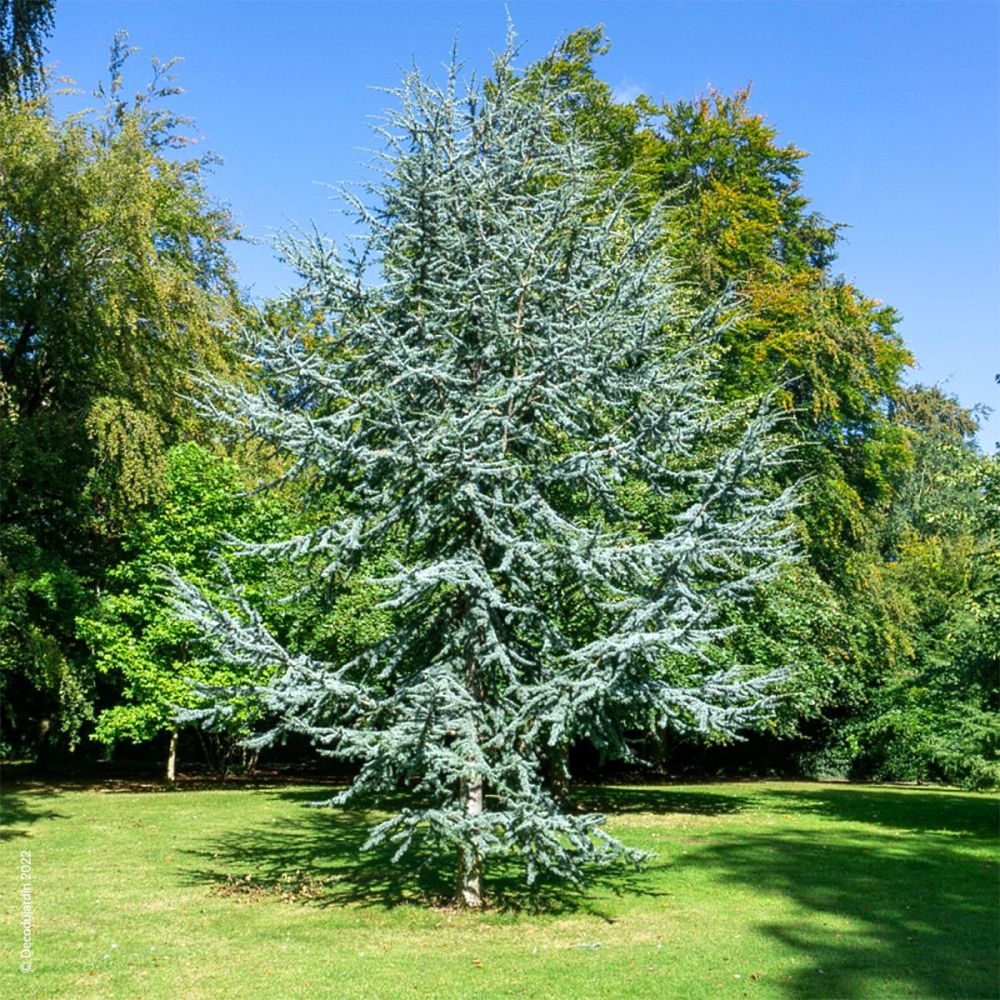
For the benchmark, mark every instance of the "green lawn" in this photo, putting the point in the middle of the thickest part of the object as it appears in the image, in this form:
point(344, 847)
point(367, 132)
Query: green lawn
point(759, 890)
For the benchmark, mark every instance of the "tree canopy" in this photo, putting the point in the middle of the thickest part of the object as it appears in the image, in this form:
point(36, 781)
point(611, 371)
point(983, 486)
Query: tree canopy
point(114, 278)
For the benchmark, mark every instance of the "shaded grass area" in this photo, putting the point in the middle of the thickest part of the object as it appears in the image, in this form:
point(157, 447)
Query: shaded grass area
point(328, 844)
point(19, 811)
point(787, 890)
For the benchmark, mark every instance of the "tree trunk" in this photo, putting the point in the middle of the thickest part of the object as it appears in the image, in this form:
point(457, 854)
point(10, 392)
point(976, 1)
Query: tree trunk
point(172, 759)
point(469, 888)
point(557, 775)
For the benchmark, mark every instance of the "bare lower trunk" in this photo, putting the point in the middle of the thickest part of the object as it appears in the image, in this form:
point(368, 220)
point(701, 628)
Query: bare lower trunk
point(172, 759)
point(469, 888)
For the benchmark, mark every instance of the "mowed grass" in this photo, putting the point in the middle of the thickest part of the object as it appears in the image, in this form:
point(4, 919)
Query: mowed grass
point(788, 890)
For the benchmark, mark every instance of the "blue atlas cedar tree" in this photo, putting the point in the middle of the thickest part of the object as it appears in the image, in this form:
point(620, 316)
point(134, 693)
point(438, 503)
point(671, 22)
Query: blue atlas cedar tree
point(519, 409)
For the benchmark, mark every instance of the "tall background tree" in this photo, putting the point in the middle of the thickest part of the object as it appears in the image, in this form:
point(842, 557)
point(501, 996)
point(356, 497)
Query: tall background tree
point(24, 26)
point(849, 613)
point(114, 276)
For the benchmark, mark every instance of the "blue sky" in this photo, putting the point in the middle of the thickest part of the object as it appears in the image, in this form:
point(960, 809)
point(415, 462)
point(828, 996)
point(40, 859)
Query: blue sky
point(897, 103)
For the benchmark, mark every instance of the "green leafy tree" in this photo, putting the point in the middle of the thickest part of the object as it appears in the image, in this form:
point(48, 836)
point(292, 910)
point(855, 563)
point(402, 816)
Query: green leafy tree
point(149, 654)
point(24, 26)
point(890, 618)
point(113, 279)
point(934, 714)
point(154, 658)
point(738, 220)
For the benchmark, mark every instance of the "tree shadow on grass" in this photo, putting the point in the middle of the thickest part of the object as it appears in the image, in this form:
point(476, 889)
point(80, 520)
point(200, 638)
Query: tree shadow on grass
point(621, 799)
point(914, 809)
point(19, 808)
point(318, 857)
point(914, 904)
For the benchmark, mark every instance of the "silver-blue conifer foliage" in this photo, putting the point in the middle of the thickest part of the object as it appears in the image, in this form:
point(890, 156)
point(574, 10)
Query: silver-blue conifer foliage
point(520, 409)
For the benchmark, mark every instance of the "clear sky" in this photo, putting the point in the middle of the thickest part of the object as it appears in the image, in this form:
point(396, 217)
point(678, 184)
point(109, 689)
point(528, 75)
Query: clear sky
point(898, 104)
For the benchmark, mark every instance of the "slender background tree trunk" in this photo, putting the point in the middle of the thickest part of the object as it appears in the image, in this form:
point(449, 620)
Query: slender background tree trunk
point(172, 759)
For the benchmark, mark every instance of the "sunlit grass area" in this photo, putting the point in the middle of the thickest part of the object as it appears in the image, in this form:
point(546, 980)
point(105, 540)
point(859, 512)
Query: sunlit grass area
point(763, 890)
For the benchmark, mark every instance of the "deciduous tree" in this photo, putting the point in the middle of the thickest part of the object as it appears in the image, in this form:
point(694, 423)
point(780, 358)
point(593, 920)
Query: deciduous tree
point(114, 276)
